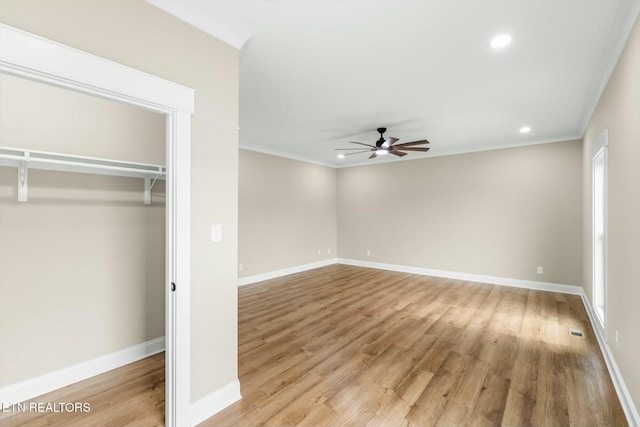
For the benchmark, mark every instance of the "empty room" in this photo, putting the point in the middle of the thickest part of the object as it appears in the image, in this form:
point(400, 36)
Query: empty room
point(319, 213)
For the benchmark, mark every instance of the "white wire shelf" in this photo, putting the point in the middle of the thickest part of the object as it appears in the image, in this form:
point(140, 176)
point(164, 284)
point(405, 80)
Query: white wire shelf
point(24, 160)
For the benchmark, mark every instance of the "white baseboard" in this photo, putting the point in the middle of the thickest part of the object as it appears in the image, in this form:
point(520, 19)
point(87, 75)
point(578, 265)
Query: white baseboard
point(215, 402)
point(494, 280)
point(630, 411)
point(28, 389)
point(285, 271)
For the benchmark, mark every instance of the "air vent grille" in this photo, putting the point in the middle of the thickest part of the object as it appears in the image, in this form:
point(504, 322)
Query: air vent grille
point(576, 332)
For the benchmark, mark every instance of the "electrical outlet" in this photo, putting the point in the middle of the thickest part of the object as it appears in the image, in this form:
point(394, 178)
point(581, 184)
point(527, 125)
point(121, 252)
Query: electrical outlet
point(319, 251)
point(368, 252)
point(329, 251)
point(240, 267)
point(540, 270)
point(617, 339)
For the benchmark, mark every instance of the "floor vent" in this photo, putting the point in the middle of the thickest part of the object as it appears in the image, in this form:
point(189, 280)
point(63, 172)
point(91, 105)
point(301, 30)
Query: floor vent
point(576, 332)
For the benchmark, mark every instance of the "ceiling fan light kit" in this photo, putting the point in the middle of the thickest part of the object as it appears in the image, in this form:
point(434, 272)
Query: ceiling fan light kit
point(387, 145)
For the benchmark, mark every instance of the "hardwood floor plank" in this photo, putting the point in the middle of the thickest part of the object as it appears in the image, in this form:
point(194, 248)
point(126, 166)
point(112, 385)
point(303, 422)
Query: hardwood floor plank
point(399, 373)
point(551, 398)
point(432, 401)
point(473, 375)
point(518, 409)
point(525, 369)
point(491, 401)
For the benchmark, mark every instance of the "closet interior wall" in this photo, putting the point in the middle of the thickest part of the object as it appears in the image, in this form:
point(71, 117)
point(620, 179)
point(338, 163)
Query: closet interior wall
point(83, 260)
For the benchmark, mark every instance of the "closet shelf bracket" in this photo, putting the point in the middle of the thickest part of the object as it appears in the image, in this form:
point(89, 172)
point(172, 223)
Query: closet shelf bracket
point(23, 178)
point(147, 191)
point(24, 160)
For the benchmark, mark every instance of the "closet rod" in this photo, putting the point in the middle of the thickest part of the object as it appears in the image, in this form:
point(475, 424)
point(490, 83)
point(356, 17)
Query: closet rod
point(31, 159)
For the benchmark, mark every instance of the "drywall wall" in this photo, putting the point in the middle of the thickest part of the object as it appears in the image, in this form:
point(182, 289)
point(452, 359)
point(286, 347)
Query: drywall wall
point(618, 110)
point(496, 213)
point(139, 35)
point(287, 213)
point(42, 117)
point(83, 260)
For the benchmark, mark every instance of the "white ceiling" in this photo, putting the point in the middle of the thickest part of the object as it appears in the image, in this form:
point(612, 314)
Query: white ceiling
point(315, 75)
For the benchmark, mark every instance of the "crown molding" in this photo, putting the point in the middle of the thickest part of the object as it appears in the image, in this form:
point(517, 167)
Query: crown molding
point(191, 12)
point(283, 154)
point(626, 17)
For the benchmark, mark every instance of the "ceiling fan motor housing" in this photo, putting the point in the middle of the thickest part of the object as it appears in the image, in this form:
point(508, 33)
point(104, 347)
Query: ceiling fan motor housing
point(381, 131)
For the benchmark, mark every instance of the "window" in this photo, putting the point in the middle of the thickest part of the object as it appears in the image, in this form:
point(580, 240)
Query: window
point(599, 220)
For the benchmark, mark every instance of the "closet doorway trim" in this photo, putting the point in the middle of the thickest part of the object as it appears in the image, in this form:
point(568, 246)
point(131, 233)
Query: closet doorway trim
point(36, 58)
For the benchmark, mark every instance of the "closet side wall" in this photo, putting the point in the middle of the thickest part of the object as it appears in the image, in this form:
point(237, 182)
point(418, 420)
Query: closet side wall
point(82, 261)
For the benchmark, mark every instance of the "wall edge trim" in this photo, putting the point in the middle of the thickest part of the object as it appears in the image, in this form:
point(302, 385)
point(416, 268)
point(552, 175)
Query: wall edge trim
point(494, 280)
point(37, 386)
point(285, 271)
point(630, 410)
point(215, 402)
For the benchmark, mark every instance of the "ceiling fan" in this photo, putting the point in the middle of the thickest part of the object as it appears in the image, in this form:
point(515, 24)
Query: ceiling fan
point(388, 145)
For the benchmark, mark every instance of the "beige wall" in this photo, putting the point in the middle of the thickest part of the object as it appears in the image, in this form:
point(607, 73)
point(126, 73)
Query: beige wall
point(497, 213)
point(619, 111)
point(287, 213)
point(83, 260)
point(47, 118)
point(139, 35)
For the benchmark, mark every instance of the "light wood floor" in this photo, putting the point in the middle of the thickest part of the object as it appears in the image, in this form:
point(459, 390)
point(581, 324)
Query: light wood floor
point(349, 346)
point(125, 397)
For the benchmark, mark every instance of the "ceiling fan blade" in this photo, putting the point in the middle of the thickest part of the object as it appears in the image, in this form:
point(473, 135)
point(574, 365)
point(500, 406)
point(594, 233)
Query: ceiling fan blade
point(373, 156)
point(358, 152)
point(398, 153)
point(389, 142)
point(423, 149)
point(362, 143)
point(407, 144)
point(343, 149)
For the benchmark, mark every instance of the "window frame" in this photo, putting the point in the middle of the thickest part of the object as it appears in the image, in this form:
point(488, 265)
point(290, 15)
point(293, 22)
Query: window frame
point(599, 232)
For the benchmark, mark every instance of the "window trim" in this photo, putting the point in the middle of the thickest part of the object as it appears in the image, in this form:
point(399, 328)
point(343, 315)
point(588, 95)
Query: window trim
point(600, 149)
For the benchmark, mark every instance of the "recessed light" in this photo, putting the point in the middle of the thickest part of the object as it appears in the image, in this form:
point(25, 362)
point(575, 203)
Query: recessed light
point(501, 41)
point(525, 129)
point(341, 156)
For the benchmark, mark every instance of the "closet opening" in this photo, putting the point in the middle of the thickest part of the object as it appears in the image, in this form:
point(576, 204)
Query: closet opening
point(82, 244)
point(38, 59)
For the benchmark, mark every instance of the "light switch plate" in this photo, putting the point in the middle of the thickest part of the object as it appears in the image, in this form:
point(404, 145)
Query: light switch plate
point(216, 233)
